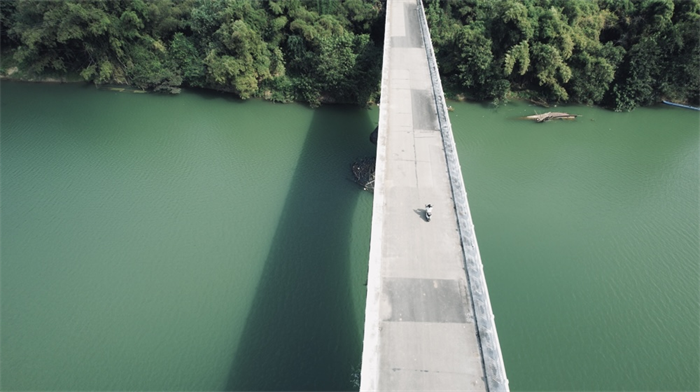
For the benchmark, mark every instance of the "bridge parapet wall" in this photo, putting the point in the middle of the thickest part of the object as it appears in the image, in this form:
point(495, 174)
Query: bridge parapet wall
point(494, 368)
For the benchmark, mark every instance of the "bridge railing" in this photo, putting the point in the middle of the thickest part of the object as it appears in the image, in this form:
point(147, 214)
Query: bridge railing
point(369, 378)
point(494, 369)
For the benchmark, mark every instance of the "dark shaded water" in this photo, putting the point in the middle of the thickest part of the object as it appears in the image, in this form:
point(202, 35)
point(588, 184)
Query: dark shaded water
point(301, 326)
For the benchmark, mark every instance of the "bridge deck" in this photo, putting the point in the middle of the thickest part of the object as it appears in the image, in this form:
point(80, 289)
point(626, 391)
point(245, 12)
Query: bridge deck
point(420, 330)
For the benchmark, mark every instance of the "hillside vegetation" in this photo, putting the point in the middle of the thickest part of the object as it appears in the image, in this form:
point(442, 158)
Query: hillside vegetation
point(615, 53)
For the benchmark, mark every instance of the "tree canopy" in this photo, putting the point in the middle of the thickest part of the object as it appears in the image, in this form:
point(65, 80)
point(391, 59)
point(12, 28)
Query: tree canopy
point(281, 50)
point(619, 53)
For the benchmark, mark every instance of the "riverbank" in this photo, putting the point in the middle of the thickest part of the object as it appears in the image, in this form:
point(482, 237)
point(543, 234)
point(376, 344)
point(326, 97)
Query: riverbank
point(10, 70)
point(531, 97)
point(14, 75)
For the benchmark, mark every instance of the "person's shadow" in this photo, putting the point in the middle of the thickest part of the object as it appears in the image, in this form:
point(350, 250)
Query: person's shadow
point(423, 213)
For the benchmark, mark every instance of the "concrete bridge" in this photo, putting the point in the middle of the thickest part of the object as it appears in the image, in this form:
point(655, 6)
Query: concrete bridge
point(428, 321)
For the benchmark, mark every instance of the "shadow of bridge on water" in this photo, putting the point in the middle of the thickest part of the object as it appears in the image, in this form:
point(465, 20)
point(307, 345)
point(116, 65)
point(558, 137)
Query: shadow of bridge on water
point(302, 332)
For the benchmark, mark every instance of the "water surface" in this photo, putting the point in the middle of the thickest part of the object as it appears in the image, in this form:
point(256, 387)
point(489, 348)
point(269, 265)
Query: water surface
point(588, 231)
point(194, 242)
point(199, 242)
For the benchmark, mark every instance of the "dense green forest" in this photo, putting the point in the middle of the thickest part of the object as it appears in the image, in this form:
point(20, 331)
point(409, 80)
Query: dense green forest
point(280, 50)
point(616, 53)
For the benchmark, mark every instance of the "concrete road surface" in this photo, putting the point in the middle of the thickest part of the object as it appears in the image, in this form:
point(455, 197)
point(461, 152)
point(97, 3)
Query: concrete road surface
point(419, 331)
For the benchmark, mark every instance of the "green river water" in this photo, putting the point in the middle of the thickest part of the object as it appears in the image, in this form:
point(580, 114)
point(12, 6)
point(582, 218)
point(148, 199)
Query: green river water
point(199, 242)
